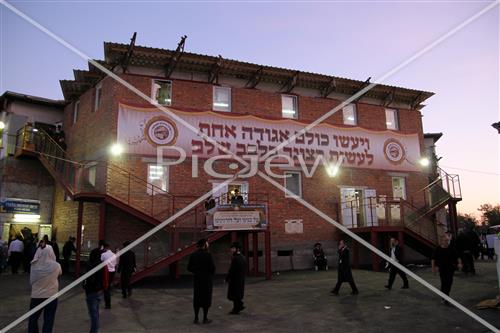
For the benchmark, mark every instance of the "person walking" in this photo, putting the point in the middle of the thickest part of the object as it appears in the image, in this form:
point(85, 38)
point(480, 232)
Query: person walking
point(44, 274)
point(396, 255)
point(110, 259)
point(93, 287)
point(15, 253)
point(68, 248)
point(344, 270)
point(447, 261)
point(126, 267)
point(201, 264)
point(235, 279)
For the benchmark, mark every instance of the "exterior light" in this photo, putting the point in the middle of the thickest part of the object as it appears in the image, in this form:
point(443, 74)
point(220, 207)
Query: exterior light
point(116, 149)
point(27, 218)
point(2, 125)
point(332, 170)
point(424, 161)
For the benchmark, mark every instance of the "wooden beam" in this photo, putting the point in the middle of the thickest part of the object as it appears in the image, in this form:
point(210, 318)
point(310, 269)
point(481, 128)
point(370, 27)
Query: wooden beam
point(389, 98)
point(126, 58)
point(329, 88)
point(255, 78)
point(179, 51)
point(213, 76)
point(291, 83)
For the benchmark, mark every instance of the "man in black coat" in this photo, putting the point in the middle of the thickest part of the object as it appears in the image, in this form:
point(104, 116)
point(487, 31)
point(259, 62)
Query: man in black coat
point(393, 270)
point(126, 267)
point(68, 248)
point(236, 279)
point(201, 264)
point(344, 270)
point(446, 259)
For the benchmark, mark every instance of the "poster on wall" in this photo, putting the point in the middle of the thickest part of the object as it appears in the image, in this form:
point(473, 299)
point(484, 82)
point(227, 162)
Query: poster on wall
point(230, 217)
point(142, 130)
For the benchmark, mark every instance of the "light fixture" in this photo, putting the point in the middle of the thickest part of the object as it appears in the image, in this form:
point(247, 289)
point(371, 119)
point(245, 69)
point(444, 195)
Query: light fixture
point(332, 170)
point(424, 161)
point(2, 125)
point(116, 149)
point(27, 218)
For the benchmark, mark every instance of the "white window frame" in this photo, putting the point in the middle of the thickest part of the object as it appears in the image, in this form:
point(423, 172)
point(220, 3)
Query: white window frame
point(299, 195)
point(355, 114)
point(396, 119)
point(295, 104)
point(219, 107)
point(403, 179)
point(154, 91)
point(165, 182)
point(76, 109)
point(98, 95)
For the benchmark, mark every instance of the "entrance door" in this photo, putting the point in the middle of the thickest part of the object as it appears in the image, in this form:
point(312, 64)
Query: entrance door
point(224, 194)
point(349, 207)
point(220, 195)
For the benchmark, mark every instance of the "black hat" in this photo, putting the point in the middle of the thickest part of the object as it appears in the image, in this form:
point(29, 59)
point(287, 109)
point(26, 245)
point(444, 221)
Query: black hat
point(236, 245)
point(201, 242)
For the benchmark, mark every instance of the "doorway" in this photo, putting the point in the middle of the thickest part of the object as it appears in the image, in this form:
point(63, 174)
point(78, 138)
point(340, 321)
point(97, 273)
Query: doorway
point(224, 194)
point(358, 207)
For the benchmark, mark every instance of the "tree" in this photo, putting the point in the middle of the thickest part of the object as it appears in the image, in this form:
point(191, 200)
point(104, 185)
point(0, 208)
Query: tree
point(467, 222)
point(491, 214)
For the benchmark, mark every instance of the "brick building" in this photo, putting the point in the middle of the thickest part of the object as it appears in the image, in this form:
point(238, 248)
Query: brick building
point(381, 189)
point(26, 187)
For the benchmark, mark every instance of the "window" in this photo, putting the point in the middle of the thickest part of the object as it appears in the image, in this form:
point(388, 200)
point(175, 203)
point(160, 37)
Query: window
point(350, 117)
point(75, 111)
point(293, 184)
point(98, 93)
point(391, 119)
point(92, 175)
point(157, 179)
point(399, 188)
point(289, 107)
point(162, 92)
point(222, 99)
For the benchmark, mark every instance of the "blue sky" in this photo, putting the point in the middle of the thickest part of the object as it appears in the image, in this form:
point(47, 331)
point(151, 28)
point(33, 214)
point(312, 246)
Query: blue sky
point(355, 40)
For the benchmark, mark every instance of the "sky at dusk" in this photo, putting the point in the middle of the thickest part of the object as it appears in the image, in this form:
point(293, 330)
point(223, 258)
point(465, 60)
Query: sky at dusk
point(355, 40)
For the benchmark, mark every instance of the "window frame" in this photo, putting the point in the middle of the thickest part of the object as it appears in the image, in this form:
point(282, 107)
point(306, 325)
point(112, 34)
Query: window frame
point(76, 110)
point(153, 92)
point(300, 184)
point(97, 96)
point(396, 119)
point(166, 170)
point(355, 108)
point(221, 109)
point(295, 104)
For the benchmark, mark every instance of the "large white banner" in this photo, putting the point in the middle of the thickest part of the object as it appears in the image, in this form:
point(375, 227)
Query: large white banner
point(142, 130)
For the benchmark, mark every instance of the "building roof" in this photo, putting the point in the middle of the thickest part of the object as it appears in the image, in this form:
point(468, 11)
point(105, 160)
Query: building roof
point(14, 96)
point(496, 126)
point(142, 56)
point(435, 136)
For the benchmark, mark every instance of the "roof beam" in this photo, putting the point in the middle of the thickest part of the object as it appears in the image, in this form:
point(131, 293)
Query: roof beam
point(290, 83)
point(213, 76)
point(389, 98)
point(255, 78)
point(416, 101)
point(328, 88)
point(169, 69)
point(130, 50)
point(361, 87)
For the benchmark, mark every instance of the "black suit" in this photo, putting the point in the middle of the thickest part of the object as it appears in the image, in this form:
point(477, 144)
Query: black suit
point(393, 270)
point(344, 271)
point(236, 281)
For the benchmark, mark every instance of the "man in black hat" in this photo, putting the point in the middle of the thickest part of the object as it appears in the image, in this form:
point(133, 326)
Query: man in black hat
point(126, 267)
point(201, 264)
point(344, 270)
point(236, 279)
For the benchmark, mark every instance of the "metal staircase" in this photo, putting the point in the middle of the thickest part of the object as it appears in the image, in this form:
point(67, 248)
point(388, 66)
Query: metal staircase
point(96, 181)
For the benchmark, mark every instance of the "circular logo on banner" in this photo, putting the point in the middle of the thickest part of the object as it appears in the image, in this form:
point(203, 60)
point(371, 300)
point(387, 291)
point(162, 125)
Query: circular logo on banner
point(161, 131)
point(394, 151)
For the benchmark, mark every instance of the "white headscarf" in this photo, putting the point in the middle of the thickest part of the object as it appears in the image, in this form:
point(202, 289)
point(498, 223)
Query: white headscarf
point(43, 264)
